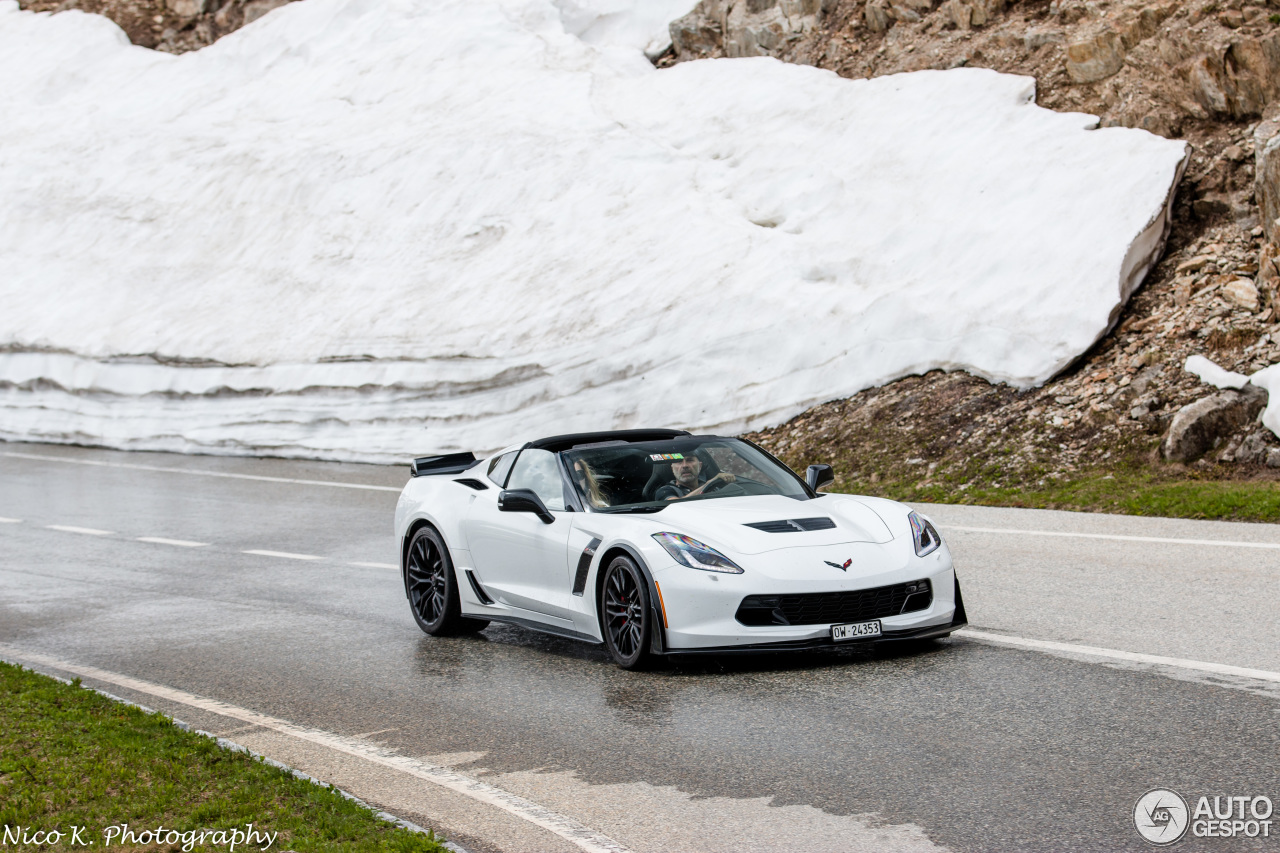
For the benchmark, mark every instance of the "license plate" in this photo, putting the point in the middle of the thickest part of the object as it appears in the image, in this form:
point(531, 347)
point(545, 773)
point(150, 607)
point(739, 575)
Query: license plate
point(855, 630)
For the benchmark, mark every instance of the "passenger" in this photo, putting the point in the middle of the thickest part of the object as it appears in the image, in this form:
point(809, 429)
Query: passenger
point(687, 482)
point(588, 484)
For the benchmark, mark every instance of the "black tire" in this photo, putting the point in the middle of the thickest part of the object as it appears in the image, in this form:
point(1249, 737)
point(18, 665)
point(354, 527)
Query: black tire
point(625, 614)
point(432, 586)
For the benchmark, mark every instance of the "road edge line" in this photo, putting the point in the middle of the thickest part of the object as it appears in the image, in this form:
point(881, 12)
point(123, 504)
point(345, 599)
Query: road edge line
point(201, 472)
point(1116, 654)
point(1117, 537)
point(563, 826)
point(232, 746)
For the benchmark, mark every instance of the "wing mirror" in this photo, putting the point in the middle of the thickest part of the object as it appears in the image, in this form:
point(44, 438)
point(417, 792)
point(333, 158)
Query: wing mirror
point(818, 476)
point(524, 500)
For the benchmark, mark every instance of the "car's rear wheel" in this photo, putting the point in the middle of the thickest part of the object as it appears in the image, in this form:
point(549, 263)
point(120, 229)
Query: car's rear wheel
point(433, 591)
point(625, 605)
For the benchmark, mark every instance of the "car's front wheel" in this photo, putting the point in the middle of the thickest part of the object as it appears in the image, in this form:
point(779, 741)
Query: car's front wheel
point(625, 603)
point(433, 592)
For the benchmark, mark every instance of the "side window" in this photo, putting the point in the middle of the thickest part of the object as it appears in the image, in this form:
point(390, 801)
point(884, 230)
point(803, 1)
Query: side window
point(538, 470)
point(499, 467)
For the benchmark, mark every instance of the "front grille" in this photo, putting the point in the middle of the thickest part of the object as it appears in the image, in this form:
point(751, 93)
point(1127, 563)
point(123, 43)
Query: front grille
point(793, 525)
point(823, 608)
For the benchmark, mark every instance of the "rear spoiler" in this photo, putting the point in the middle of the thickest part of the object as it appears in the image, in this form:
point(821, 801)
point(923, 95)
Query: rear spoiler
point(449, 463)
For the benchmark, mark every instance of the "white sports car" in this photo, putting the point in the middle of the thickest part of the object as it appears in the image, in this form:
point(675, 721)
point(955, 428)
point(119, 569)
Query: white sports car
point(658, 542)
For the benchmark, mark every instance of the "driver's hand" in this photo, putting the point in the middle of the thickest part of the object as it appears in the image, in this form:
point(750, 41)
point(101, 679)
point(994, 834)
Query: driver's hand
point(726, 476)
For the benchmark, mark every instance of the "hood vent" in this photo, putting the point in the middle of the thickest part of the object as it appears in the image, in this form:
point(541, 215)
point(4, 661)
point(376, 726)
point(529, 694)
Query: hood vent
point(794, 525)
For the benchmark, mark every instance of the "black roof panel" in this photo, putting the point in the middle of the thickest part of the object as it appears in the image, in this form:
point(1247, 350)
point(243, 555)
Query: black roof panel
point(556, 443)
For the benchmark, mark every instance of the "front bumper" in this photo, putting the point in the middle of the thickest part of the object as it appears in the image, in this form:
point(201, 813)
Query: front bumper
point(700, 607)
point(927, 633)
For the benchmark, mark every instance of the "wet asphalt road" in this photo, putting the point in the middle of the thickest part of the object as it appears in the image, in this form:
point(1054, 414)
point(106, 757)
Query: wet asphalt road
point(961, 745)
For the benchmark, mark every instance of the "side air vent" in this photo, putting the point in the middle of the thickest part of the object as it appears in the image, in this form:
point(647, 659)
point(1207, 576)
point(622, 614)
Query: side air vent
point(584, 566)
point(794, 525)
point(471, 484)
point(477, 589)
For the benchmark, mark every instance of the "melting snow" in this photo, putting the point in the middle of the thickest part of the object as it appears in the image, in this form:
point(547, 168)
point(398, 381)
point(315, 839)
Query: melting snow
point(366, 229)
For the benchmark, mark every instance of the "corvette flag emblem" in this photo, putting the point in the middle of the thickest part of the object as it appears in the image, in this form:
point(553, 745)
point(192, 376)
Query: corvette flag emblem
point(844, 568)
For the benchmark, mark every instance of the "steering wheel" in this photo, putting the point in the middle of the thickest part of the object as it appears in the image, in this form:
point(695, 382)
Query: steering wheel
point(716, 485)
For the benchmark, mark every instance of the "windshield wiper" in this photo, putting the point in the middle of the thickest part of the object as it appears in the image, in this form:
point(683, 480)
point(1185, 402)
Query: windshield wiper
point(628, 509)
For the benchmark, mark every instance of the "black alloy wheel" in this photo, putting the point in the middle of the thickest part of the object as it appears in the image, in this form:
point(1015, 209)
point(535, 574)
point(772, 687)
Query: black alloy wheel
point(433, 594)
point(626, 614)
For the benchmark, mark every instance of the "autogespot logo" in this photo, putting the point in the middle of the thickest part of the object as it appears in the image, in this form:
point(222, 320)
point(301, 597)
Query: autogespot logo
point(1161, 816)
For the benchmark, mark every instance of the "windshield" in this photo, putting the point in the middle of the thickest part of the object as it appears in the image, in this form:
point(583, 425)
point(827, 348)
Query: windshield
point(647, 476)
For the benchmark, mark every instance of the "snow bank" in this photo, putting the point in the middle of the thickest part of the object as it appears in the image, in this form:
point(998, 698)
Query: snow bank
point(1267, 377)
point(364, 229)
point(1211, 374)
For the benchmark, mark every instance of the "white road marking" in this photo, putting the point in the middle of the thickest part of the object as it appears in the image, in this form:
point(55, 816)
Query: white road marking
point(197, 472)
point(1114, 654)
point(284, 554)
point(1226, 543)
point(181, 543)
point(565, 827)
point(375, 565)
point(10, 520)
point(88, 531)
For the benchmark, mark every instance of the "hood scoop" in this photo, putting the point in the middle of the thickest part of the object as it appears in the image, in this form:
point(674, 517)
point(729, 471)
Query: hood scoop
point(794, 525)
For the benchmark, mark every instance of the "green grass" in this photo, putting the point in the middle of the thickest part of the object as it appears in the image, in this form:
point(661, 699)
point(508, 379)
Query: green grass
point(1131, 492)
point(70, 757)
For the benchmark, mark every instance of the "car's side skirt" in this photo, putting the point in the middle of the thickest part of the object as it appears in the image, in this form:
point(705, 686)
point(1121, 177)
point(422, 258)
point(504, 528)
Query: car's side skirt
point(541, 627)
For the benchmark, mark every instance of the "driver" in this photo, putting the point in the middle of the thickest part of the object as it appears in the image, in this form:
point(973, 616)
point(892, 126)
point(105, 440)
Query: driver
point(687, 482)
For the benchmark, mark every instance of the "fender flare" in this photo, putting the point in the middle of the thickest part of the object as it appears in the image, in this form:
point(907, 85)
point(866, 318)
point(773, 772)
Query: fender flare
point(658, 636)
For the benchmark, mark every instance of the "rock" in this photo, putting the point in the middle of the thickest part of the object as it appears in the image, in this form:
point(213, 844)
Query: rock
point(1268, 271)
point(960, 14)
point(1212, 204)
point(1237, 81)
point(1232, 18)
point(1273, 457)
point(697, 33)
point(985, 10)
point(1194, 264)
point(966, 14)
point(1096, 58)
point(1035, 39)
point(188, 8)
point(751, 28)
point(1253, 448)
point(1182, 292)
point(222, 19)
point(877, 16)
point(1241, 293)
point(1201, 426)
point(1266, 168)
point(1234, 153)
point(255, 9)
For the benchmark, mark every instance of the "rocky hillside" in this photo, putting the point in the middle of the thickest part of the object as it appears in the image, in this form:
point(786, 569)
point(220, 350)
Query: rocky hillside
point(1208, 72)
point(174, 26)
point(1204, 71)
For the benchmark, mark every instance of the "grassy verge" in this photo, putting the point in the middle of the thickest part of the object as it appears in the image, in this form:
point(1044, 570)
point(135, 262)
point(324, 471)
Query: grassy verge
point(72, 758)
point(1118, 491)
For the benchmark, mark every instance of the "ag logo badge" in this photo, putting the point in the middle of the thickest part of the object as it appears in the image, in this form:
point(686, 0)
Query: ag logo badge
point(1161, 816)
point(844, 568)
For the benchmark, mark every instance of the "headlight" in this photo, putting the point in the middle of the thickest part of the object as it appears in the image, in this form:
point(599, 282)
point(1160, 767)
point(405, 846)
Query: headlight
point(923, 535)
point(695, 555)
